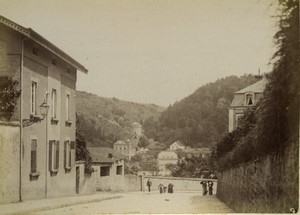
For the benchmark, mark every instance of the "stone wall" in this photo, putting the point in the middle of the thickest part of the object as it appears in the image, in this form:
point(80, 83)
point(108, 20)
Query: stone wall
point(266, 185)
point(133, 182)
point(180, 184)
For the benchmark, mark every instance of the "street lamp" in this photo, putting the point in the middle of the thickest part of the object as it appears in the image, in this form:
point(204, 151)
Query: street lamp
point(44, 107)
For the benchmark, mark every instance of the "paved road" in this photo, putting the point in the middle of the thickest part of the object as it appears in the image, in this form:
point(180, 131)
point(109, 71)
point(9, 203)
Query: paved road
point(143, 202)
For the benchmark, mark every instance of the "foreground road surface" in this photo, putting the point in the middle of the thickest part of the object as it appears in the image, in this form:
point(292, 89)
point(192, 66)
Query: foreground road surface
point(143, 202)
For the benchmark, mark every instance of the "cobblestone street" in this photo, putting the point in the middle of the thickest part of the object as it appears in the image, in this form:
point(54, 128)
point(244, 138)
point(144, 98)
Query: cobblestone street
point(142, 202)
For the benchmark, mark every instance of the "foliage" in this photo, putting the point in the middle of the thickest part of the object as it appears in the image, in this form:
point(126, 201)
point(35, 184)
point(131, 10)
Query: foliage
point(201, 118)
point(143, 141)
point(192, 167)
point(274, 122)
point(9, 93)
point(105, 120)
point(82, 153)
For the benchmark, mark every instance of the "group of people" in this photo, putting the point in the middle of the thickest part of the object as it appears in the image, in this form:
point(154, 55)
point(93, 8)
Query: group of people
point(205, 185)
point(161, 187)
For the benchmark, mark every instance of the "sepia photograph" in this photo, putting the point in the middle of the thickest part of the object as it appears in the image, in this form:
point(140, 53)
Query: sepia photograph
point(149, 106)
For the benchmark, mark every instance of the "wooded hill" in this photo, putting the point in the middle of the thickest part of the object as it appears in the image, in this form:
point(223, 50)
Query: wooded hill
point(201, 118)
point(105, 120)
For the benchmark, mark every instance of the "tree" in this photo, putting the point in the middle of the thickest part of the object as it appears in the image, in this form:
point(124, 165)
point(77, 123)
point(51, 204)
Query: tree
point(143, 142)
point(82, 152)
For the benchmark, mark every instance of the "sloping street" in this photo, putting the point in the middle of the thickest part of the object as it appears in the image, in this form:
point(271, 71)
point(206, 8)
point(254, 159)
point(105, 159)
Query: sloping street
point(147, 203)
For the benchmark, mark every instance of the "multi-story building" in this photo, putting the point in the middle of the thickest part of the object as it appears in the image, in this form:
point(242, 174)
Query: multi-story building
point(38, 142)
point(244, 99)
point(127, 148)
point(163, 159)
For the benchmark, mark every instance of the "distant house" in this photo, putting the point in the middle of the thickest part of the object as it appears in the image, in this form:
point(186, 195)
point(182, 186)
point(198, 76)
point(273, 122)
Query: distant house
point(163, 159)
point(244, 99)
point(197, 152)
point(108, 165)
point(38, 149)
point(176, 145)
point(127, 148)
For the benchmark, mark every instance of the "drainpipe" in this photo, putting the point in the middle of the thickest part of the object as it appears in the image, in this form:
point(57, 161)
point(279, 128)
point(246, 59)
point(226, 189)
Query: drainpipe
point(21, 118)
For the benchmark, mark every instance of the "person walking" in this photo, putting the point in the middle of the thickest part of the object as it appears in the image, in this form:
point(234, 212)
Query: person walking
point(204, 188)
point(170, 188)
point(149, 184)
point(161, 188)
point(210, 187)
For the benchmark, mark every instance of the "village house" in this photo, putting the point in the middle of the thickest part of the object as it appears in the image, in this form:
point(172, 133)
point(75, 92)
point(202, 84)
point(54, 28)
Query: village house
point(242, 100)
point(176, 145)
point(163, 159)
point(38, 142)
point(108, 166)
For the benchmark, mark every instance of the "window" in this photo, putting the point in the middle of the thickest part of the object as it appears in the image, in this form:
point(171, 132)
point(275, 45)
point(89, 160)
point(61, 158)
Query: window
point(67, 107)
point(54, 155)
point(119, 170)
point(54, 103)
point(249, 99)
point(35, 51)
point(67, 154)
point(104, 171)
point(33, 158)
point(33, 97)
point(53, 61)
point(238, 118)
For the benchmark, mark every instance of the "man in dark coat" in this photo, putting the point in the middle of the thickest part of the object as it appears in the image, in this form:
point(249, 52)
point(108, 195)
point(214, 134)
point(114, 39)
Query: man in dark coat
point(149, 184)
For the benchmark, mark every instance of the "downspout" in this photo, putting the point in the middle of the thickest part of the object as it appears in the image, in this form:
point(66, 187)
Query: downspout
point(21, 118)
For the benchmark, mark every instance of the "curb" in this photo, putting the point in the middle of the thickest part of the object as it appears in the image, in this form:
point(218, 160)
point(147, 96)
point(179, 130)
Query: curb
point(51, 207)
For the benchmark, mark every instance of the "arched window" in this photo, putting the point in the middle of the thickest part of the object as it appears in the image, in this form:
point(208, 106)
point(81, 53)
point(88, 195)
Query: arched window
point(249, 99)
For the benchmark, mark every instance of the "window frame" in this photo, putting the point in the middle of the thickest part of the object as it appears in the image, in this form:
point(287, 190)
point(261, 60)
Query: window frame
point(119, 170)
point(67, 106)
point(251, 95)
point(106, 172)
point(33, 168)
point(33, 97)
point(54, 103)
point(54, 146)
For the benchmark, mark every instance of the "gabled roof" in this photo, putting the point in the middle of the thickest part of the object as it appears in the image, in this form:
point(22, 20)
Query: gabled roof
point(257, 87)
point(101, 155)
point(178, 143)
point(165, 154)
point(34, 36)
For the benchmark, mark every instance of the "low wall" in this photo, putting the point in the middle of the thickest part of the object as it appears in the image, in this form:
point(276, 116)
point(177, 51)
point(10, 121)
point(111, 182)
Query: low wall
point(10, 162)
point(133, 183)
point(180, 184)
point(266, 185)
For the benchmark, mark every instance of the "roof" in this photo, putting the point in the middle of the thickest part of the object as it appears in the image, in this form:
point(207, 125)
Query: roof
point(34, 36)
point(178, 142)
point(101, 155)
point(257, 87)
point(164, 154)
point(136, 124)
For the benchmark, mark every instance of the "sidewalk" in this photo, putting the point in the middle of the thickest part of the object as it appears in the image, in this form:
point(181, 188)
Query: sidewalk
point(32, 206)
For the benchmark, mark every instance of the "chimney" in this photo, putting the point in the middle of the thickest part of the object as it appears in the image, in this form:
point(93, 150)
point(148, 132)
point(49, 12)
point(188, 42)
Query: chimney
point(258, 77)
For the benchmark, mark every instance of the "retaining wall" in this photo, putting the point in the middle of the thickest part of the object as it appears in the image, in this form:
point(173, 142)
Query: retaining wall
point(268, 185)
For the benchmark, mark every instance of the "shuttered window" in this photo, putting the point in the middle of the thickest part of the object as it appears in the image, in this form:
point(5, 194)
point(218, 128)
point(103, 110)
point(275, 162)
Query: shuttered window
point(67, 153)
point(33, 164)
point(53, 155)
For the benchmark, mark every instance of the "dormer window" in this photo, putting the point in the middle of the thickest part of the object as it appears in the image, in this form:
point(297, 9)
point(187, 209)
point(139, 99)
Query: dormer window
point(249, 99)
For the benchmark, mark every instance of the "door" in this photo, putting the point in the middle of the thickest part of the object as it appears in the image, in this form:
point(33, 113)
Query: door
point(77, 179)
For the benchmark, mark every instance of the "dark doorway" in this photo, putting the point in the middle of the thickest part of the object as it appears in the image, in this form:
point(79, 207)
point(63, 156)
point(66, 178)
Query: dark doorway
point(77, 179)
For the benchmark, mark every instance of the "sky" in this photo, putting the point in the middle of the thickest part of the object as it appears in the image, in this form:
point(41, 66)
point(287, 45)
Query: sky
point(153, 51)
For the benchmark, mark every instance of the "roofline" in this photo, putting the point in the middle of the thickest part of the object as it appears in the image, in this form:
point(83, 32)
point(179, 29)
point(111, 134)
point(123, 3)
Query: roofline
point(34, 36)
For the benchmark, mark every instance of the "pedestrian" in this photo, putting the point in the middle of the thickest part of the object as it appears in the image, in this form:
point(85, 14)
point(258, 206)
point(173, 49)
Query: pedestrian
point(210, 187)
point(165, 189)
point(161, 188)
point(170, 188)
point(149, 184)
point(204, 188)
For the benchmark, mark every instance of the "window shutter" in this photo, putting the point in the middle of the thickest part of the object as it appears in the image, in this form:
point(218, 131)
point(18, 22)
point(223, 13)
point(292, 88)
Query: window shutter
point(33, 156)
point(65, 154)
point(57, 155)
point(72, 154)
point(50, 154)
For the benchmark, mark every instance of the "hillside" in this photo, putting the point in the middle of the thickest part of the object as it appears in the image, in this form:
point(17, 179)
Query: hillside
point(202, 117)
point(105, 120)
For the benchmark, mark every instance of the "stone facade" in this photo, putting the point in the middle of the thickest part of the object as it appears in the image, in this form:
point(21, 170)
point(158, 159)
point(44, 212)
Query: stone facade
point(163, 159)
point(45, 75)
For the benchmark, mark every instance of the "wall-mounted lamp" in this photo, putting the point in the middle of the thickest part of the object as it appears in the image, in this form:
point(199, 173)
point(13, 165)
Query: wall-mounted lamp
point(44, 107)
